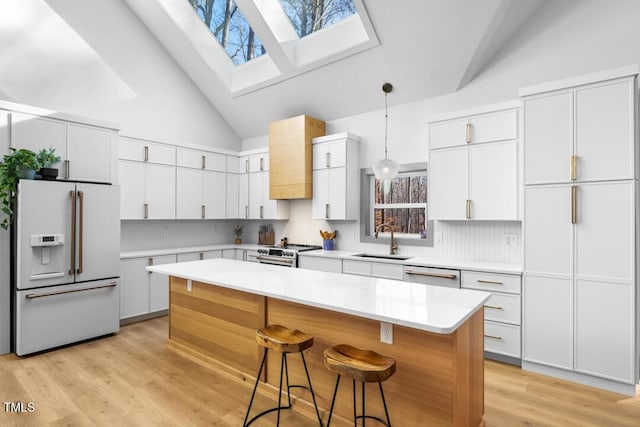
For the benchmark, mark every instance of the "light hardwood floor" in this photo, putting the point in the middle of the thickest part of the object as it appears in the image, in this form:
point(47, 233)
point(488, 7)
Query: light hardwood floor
point(131, 379)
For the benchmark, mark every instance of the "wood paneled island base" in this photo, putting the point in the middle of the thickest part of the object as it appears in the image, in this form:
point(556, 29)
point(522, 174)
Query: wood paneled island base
point(439, 378)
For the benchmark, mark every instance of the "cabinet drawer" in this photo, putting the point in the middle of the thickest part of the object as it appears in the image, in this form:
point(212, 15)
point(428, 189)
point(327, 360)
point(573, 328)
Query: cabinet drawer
point(509, 283)
point(432, 276)
point(386, 271)
point(332, 265)
point(356, 267)
point(503, 308)
point(502, 339)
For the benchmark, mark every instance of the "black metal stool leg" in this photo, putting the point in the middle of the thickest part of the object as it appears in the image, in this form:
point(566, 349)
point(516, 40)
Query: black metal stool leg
point(313, 396)
point(384, 403)
point(333, 400)
point(255, 387)
point(283, 363)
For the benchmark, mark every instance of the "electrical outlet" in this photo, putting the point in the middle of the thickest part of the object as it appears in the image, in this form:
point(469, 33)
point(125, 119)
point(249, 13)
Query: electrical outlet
point(189, 285)
point(215, 228)
point(439, 237)
point(165, 232)
point(510, 239)
point(386, 332)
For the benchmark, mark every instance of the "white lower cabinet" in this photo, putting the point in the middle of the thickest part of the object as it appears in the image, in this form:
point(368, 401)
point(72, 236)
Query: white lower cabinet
point(143, 292)
point(237, 254)
point(373, 269)
point(331, 265)
point(502, 312)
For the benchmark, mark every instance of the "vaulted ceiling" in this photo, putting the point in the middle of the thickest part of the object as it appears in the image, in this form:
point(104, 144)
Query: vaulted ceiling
point(426, 48)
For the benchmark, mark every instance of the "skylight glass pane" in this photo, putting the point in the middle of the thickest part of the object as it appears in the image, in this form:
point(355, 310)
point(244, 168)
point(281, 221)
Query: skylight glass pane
point(229, 26)
point(308, 16)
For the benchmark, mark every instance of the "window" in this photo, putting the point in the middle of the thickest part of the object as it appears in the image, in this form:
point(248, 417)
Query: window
point(308, 16)
point(229, 26)
point(402, 201)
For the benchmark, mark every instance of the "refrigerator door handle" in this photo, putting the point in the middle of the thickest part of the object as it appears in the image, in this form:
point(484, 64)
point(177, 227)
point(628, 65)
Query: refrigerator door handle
point(72, 266)
point(81, 230)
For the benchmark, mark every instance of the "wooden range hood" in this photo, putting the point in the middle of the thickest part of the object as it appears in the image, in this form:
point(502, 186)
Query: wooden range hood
point(291, 157)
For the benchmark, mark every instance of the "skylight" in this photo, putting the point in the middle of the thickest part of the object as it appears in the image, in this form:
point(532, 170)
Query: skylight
point(308, 16)
point(229, 26)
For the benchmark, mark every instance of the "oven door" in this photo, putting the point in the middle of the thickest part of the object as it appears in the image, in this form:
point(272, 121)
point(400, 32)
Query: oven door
point(276, 260)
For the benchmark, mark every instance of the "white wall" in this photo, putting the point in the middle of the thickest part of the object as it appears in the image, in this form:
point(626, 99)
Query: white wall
point(128, 79)
point(565, 38)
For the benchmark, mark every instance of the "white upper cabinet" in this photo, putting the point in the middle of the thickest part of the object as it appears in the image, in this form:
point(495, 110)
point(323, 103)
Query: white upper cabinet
point(254, 198)
point(580, 134)
point(86, 151)
point(147, 188)
point(336, 192)
point(473, 167)
point(200, 184)
point(488, 127)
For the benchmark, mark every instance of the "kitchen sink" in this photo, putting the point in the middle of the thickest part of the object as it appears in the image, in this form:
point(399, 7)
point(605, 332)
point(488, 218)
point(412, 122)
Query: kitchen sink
point(382, 256)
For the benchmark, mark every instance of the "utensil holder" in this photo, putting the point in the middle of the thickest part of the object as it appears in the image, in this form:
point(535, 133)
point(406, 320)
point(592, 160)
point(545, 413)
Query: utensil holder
point(327, 244)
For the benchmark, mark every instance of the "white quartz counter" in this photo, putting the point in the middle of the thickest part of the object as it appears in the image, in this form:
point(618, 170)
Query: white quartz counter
point(430, 308)
point(486, 266)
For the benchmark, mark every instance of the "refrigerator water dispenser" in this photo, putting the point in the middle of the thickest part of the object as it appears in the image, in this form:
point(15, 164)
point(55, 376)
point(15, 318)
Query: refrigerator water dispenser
point(47, 256)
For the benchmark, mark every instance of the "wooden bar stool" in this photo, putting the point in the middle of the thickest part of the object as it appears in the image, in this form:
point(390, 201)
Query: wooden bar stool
point(365, 366)
point(284, 341)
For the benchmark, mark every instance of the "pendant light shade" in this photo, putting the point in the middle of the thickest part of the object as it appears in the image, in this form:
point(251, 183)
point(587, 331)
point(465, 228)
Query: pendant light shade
point(386, 169)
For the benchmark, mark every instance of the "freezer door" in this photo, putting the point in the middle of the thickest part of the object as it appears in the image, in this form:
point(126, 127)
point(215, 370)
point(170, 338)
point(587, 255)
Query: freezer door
point(44, 244)
point(98, 232)
point(51, 317)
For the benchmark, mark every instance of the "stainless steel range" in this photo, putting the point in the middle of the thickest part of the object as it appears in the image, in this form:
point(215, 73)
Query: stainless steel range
point(286, 256)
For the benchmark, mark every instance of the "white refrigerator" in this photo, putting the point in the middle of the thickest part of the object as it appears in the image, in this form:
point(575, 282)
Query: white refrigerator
point(67, 263)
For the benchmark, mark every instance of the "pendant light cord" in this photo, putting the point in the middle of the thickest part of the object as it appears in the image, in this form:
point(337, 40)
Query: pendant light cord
point(386, 115)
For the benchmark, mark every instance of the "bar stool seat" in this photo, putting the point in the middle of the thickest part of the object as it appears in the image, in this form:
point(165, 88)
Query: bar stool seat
point(284, 341)
point(364, 366)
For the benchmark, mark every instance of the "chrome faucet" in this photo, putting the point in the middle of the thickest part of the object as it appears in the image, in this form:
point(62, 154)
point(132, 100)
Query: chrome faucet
point(393, 247)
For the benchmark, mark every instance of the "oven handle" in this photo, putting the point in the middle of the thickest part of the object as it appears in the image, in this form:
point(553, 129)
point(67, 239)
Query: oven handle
point(50, 294)
point(275, 260)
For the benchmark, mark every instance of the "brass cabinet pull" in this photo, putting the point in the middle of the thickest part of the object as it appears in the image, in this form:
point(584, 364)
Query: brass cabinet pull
point(246, 211)
point(574, 168)
point(81, 230)
point(202, 211)
point(149, 263)
point(468, 213)
point(146, 210)
point(50, 294)
point(327, 160)
point(66, 169)
point(204, 162)
point(468, 133)
point(72, 266)
point(439, 275)
point(490, 282)
point(261, 164)
point(493, 307)
point(261, 211)
point(146, 153)
point(326, 210)
point(201, 256)
point(574, 204)
point(246, 165)
point(493, 337)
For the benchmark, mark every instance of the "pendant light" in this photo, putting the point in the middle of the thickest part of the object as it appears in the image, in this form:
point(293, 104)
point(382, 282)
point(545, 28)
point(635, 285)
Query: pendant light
point(386, 169)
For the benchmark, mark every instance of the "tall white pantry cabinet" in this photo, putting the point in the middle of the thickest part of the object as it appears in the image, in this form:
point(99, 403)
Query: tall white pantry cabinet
point(580, 238)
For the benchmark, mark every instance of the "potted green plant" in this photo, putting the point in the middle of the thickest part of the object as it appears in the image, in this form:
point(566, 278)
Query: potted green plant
point(19, 164)
point(46, 159)
point(237, 230)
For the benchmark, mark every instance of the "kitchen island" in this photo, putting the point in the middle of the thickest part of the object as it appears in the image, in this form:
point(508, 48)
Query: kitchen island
point(216, 306)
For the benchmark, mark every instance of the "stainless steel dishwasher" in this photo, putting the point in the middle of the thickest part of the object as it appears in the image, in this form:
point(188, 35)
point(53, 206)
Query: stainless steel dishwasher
point(432, 276)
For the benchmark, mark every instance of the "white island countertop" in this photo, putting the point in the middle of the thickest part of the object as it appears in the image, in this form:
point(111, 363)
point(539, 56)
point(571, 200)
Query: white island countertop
point(429, 308)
